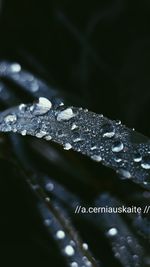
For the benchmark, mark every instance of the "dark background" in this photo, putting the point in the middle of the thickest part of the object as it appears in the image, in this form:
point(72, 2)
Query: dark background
point(98, 52)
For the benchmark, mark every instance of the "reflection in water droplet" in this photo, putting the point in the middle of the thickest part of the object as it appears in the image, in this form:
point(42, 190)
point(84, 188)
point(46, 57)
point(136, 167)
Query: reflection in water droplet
point(117, 146)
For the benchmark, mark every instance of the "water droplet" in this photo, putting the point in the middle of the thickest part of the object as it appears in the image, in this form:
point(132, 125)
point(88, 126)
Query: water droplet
point(48, 137)
point(47, 222)
point(42, 107)
point(112, 232)
point(74, 126)
point(108, 130)
point(67, 146)
point(93, 148)
point(66, 114)
point(41, 134)
point(85, 246)
point(118, 122)
point(69, 250)
point(47, 199)
point(49, 186)
point(24, 132)
point(124, 173)
point(86, 261)
point(146, 162)
point(15, 67)
point(137, 157)
point(22, 107)
point(10, 118)
point(74, 264)
point(117, 146)
point(34, 86)
point(97, 158)
point(60, 234)
point(117, 159)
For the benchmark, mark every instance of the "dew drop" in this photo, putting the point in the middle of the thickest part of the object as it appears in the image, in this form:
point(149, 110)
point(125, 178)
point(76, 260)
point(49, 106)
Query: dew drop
point(66, 114)
point(93, 148)
point(117, 159)
point(86, 261)
point(34, 87)
point(47, 222)
point(48, 137)
point(49, 187)
point(67, 146)
point(69, 250)
point(15, 67)
point(24, 132)
point(10, 118)
point(74, 126)
point(112, 232)
point(60, 234)
point(146, 162)
point(124, 173)
point(137, 157)
point(74, 264)
point(85, 246)
point(22, 107)
point(42, 107)
point(117, 146)
point(96, 158)
point(108, 130)
point(41, 134)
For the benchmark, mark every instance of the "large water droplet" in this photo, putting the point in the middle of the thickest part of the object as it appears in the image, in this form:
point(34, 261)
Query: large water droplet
point(146, 162)
point(66, 114)
point(42, 107)
point(117, 146)
point(108, 130)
